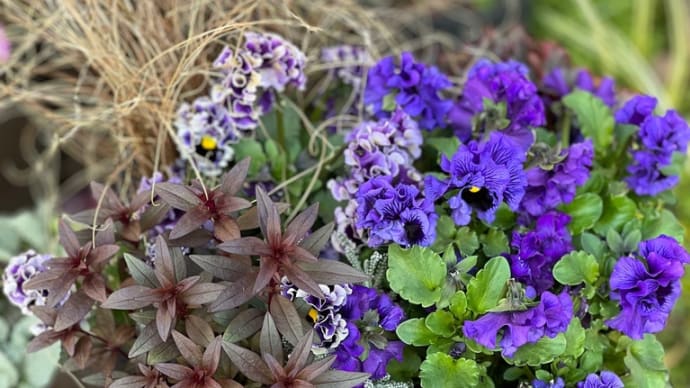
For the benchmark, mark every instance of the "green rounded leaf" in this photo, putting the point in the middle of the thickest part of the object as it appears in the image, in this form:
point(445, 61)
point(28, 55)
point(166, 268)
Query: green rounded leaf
point(617, 212)
point(575, 268)
point(542, 352)
point(458, 305)
point(584, 211)
point(417, 274)
point(489, 286)
point(415, 332)
point(440, 370)
point(644, 359)
point(441, 322)
point(594, 117)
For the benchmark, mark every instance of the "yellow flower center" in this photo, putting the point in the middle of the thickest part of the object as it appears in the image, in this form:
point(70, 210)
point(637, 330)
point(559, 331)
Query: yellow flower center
point(313, 315)
point(474, 189)
point(208, 143)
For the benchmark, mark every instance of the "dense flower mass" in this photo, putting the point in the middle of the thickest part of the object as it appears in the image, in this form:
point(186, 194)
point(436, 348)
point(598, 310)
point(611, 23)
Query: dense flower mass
point(370, 315)
point(647, 290)
point(398, 214)
point(605, 379)
point(548, 188)
point(556, 84)
point(279, 62)
point(351, 62)
point(550, 317)
point(501, 83)
point(19, 270)
point(484, 175)
point(658, 139)
point(414, 86)
point(539, 249)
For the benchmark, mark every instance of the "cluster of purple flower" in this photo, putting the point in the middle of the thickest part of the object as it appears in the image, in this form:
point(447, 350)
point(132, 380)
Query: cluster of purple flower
point(658, 139)
point(19, 270)
point(501, 83)
point(208, 127)
point(414, 86)
point(647, 293)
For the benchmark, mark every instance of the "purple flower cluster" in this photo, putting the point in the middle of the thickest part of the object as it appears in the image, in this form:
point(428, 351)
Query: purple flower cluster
point(484, 175)
point(647, 293)
point(369, 315)
point(658, 138)
point(605, 379)
point(415, 86)
point(19, 270)
point(506, 83)
point(398, 214)
point(556, 84)
point(350, 61)
point(546, 189)
point(550, 317)
point(539, 249)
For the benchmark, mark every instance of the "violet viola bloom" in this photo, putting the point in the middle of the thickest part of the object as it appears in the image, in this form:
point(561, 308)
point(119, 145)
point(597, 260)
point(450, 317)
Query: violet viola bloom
point(647, 293)
point(604, 379)
point(556, 84)
point(539, 249)
point(415, 86)
point(502, 82)
point(484, 175)
point(550, 317)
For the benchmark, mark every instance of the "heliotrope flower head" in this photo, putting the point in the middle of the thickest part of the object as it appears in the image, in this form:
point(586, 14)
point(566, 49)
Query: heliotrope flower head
point(281, 62)
point(415, 86)
point(539, 249)
point(502, 82)
point(206, 133)
point(604, 379)
point(556, 84)
point(647, 293)
point(398, 214)
point(19, 270)
point(351, 61)
point(369, 315)
point(550, 317)
point(546, 189)
point(482, 175)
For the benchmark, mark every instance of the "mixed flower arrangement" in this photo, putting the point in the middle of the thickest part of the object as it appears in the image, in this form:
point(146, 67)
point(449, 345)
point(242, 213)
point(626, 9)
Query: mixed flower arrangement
point(512, 234)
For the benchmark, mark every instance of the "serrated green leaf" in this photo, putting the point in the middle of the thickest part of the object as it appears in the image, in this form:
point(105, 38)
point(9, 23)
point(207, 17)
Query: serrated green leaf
point(575, 268)
point(416, 274)
point(543, 351)
point(444, 145)
point(467, 241)
point(575, 339)
point(664, 223)
point(594, 117)
point(644, 359)
point(592, 244)
point(458, 305)
point(441, 322)
point(440, 370)
point(445, 233)
point(415, 332)
point(584, 211)
point(495, 243)
point(489, 286)
point(617, 212)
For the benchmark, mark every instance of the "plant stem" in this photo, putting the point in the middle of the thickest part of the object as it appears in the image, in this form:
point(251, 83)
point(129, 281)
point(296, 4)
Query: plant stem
point(565, 129)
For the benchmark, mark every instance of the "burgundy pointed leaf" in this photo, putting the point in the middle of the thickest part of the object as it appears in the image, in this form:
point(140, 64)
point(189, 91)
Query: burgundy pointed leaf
point(211, 356)
point(86, 217)
point(297, 383)
point(270, 341)
point(165, 273)
point(45, 314)
point(269, 267)
point(287, 319)
point(269, 220)
point(174, 371)
point(68, 239)
point(42, 341)
point(57, 281)
point(301, 254)
point(131, 231)
point(73, 311)
point(177, 196)
point(141, 272)
point(190, 351)
point(100, 256)
point(336, 378)
point(235, 294)
point(94, 287)
point(105, 234)
point(300, 225)
point(244, 325)
point(332, 272)
point(131, 298)
point(202, 293)
point(130, 382)
point(316, 368)
point(147, 340)
point(110, 203)
point(223, 267)
point(247, 246)
point(226, 229)
point(228, 205)
point(196, 238)
point(275, 367)
point(250, 219)
point(249, 363)
point(153, 215)
point(82, 352)
point(234, 179)
point(163, 352)
point(198, 330)
point(140, 199)
point(190, 221)
point(165, 318)
point(316, 241)
point(300, 355)
point(69, 342)
point(303, 281)
point(178, 263)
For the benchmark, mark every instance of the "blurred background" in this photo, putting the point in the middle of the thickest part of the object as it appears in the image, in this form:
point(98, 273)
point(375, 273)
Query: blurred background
point(643, 44)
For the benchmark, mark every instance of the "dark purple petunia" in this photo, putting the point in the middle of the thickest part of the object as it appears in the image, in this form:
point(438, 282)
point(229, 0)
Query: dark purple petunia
point(556, 84)
point(538, 250)
point(362, 308)
point(645, 176)
point(546, 189)
point(398, 214)
point(558, 383)
point(636, 110)
point(647, 293)
point(550, 317)
point(482, 175)
point(416, 88)
point(502, 82)
point(604, 379)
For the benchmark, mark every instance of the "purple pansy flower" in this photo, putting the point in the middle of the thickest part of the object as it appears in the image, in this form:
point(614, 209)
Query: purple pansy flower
point(539, 249)
point(550, 317)
point(636, 110)
point(558, 383)
point(647, 293)
point(502, 82)
point(416, 87)
point(556, 84)
point(19, 270)
point(484, 175)
point(604, 379)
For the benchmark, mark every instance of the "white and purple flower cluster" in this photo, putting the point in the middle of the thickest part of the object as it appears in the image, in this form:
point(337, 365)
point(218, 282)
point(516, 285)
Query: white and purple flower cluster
point(19, 270)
